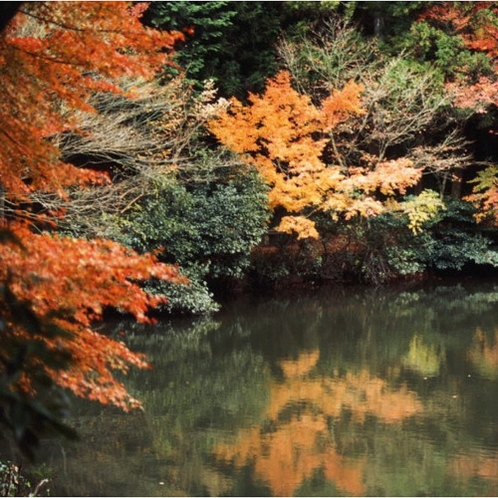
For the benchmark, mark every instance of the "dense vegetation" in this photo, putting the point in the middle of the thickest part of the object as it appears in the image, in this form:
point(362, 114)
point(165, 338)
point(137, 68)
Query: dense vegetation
point(373, 131)
point(233, 143)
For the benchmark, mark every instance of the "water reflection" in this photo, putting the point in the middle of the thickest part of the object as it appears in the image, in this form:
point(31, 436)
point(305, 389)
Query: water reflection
point(300, 439)
point(425, 359)
point(484, 354)
point(351, 392)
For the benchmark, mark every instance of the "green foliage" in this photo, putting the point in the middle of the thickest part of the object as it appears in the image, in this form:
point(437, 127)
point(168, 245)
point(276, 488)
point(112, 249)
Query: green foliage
point(386, 247)
point(208, 228)
point(233, 42)
point(192, 298)
point(172, 189)
point(307, 18)
point(447, 51)
point(209, 20)
point(454, 250)
point(452, 241)
point(383, 249)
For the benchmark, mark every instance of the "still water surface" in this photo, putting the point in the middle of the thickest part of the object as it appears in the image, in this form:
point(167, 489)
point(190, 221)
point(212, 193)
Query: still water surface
point(385, 392)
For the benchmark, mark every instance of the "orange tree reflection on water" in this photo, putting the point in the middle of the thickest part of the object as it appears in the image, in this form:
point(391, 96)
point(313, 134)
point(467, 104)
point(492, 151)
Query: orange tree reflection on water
point(297, 439)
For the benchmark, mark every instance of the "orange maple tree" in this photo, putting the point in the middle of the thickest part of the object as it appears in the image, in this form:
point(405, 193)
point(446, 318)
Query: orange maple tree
point(292, 143)
point(53, 57)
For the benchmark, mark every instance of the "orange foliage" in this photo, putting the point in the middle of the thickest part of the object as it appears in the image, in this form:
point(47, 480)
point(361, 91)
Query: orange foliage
point(295, 448)
point(68, 283)
point(341, 104)
point(287, 138)
point(53, 56)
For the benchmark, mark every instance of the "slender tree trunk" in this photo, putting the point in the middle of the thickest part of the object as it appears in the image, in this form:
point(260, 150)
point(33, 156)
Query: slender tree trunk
point(456, 184)
point(2, 206)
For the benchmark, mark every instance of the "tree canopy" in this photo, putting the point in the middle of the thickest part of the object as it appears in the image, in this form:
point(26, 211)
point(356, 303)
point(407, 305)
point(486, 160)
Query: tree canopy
point(54, 56)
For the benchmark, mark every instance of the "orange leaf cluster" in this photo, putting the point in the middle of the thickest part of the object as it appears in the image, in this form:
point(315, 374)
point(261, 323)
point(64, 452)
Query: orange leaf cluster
point(287, 138)
point(68, 283)
point(341, 104)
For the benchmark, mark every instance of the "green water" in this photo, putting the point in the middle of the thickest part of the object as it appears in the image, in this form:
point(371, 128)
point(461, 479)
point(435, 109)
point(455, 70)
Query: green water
point(386, 392)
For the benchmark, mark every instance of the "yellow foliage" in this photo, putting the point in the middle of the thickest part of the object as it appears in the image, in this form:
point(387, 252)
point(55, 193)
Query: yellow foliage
point(303, 227)
point(421, 209)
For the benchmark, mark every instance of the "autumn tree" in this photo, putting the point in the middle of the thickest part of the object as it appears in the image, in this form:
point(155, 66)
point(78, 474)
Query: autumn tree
point(430, 94)
point(54, 57)
point(406, 105)
point(293, 144)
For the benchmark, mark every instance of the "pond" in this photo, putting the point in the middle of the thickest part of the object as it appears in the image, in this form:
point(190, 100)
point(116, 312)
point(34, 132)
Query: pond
point(343, 392)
